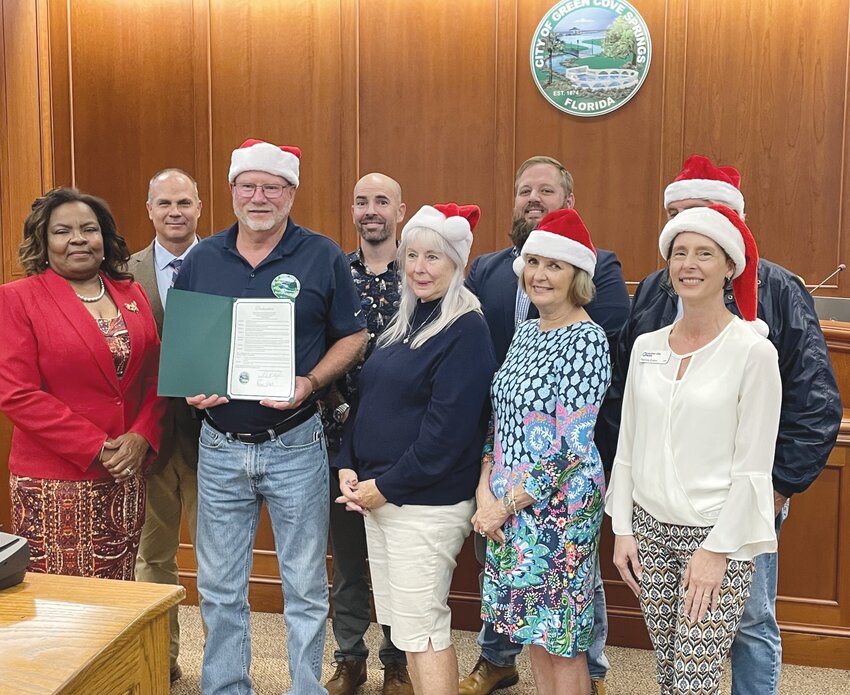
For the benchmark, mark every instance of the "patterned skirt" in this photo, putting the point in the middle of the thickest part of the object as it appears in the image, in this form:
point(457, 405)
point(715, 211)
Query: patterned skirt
point(87, 528)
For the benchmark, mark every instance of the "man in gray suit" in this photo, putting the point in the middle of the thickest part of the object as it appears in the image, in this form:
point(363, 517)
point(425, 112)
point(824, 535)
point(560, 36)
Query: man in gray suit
point(174, 208)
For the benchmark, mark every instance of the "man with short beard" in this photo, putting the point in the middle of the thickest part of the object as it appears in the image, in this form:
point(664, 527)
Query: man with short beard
point(271, 451)
point(542, 185)
point(377, 210)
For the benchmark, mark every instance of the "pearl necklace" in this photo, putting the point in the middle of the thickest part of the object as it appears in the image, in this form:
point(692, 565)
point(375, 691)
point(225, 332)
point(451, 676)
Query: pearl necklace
point(97, 297)
point(422, 325)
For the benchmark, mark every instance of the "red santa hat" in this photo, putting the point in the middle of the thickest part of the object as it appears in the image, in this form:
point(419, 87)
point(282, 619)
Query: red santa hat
point(258, 155)
point(451, 221)
point(723, 226)
point(560, 235)
point(700, 179)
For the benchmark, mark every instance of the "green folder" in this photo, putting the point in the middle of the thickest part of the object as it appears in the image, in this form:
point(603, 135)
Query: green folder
point(195, 344)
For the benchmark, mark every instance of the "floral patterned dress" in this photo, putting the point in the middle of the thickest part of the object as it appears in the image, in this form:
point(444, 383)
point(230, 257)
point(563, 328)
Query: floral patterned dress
point(538, 587)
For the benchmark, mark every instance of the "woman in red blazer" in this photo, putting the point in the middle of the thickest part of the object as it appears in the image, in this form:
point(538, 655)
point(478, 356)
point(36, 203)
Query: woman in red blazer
point(78, 371)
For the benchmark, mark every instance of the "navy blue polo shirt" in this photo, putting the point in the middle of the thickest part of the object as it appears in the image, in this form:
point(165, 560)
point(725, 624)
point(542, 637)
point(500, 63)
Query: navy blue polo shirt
point(327, 306)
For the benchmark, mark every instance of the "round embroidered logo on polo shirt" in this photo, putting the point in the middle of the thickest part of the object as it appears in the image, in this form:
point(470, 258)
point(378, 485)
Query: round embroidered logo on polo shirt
point(286, 286)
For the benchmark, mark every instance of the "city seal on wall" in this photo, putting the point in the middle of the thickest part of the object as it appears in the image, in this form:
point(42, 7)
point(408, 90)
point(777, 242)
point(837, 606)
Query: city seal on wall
point(589, 57)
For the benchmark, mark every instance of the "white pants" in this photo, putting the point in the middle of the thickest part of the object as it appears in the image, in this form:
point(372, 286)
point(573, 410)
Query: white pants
point(413, 553)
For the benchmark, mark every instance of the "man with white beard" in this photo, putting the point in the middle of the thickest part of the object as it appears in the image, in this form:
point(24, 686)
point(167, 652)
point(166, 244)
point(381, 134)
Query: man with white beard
point(270, 451)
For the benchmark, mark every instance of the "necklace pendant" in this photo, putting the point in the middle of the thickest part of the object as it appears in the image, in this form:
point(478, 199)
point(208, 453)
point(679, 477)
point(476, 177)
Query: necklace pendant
point(406, 340)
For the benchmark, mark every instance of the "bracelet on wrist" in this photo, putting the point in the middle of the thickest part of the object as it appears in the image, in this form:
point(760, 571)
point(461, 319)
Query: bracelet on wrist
point(506, 503)
point(314, 382)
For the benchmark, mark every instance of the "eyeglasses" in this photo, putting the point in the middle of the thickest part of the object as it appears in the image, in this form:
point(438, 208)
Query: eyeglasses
point(270, 190)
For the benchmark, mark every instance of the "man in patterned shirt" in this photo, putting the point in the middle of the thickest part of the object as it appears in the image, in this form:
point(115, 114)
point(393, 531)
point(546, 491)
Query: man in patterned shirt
point(377, 210)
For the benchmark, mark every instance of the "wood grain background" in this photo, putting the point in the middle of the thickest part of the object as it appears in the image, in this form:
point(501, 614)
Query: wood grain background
point(438, 94)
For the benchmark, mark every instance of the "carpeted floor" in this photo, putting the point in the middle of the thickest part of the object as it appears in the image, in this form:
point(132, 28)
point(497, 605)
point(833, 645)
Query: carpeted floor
point(631, 669)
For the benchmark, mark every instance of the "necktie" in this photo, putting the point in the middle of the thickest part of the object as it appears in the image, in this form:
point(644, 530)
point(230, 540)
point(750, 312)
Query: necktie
point(175, 265)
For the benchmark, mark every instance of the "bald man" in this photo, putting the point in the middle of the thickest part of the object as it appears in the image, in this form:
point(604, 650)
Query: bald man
point(377, 210)
point(174, 209)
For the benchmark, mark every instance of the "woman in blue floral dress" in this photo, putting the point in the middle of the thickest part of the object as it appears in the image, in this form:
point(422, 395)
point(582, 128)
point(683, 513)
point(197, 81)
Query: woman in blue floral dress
point(542, 485)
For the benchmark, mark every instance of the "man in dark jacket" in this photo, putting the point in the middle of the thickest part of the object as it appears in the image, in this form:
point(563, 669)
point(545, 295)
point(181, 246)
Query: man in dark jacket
point(542, 185)
point(811, 406)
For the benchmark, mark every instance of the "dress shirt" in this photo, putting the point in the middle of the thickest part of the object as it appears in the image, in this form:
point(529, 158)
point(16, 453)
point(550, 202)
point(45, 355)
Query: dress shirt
point(162, 263)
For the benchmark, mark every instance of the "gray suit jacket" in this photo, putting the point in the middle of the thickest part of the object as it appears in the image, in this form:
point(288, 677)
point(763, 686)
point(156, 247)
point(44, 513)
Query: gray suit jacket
point(180, 427)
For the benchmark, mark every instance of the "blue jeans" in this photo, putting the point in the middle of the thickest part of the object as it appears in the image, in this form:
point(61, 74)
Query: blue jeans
point(499, 650)
point(757, 649)
point(289, 473)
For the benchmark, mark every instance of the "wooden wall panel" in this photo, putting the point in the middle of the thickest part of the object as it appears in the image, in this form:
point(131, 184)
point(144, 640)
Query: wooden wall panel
point(132, 101)
point(25, 169)
point(438, 94)
point(765, 91)
point(275, 75)
point(427, 114)
point(614, 158)
point(814, 514)
point(24, 166)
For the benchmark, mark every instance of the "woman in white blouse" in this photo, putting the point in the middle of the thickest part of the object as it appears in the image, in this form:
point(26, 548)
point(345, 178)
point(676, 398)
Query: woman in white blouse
point(691, 497)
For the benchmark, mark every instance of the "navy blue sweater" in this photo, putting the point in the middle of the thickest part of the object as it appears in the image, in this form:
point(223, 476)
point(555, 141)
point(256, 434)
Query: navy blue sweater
point(420, 421)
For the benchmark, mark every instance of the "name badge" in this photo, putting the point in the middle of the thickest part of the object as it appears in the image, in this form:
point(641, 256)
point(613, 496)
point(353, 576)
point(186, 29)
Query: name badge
point(655, 356)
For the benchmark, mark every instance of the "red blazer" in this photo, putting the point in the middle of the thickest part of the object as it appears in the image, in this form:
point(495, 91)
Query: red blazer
point(57, 380)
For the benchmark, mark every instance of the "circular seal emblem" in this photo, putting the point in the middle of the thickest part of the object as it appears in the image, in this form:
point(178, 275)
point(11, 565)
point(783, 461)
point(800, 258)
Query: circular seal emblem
point(589, 57)
point(243, 377)
point(286, 286)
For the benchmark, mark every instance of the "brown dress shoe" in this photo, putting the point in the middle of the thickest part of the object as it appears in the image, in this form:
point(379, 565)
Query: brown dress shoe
point(349, 676)
point(397, 680)
point(487, 677)
point(597, 687)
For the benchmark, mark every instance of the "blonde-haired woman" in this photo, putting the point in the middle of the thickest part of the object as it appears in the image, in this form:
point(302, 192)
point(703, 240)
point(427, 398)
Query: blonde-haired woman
point(691, 494)
point(410, 455)
point(544, 480)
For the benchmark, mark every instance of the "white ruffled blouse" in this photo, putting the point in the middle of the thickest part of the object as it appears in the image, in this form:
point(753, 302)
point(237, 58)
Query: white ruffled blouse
point(699, 451)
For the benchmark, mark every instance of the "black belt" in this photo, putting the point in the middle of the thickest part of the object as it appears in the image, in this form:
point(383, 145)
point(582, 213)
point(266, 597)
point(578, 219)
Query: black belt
point(299, 417)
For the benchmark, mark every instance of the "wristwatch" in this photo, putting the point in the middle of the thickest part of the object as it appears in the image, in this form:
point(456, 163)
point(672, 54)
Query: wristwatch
point(340, 413)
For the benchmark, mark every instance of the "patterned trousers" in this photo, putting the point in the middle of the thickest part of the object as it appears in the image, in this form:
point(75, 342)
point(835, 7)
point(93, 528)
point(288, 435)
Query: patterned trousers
point(689, 656)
